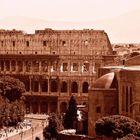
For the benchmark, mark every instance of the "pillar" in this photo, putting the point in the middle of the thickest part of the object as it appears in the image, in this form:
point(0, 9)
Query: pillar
point(48, 85)
point(30, 81)
point(40, 68)
point(39, 111)
point(39, 86)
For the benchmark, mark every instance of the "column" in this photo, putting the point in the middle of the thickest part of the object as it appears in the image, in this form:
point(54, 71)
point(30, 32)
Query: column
point(48, 107)
point(40, 70)
point(16, 65)
point(48, 85)
point(10, 66)
point(79, 88)
point(59, 87)
point(39, 107)
point(4, 66)
point(69, 87)
point(30, 81)
point(24, 67)
point(39, 86)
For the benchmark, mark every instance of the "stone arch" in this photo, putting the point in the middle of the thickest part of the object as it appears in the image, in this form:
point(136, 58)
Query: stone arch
point(54, 86)
point(7, 65)
point(44, 86)
point(35, 86)
point(53, 107)
point(74, 87)
point(13, 65)
point(64, 87)
point(85, 87)
point(44, 107)
point(35, 107)
point(63, 107)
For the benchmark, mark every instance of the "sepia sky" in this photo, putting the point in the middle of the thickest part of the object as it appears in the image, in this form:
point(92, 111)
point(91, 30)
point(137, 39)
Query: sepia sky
point(67, 10)
point(119, 18)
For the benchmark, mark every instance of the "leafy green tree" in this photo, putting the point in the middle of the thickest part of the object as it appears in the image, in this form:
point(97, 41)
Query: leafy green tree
point(117, 126)
point(70, 118)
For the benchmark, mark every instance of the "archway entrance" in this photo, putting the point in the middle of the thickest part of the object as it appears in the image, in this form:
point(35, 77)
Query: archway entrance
point(63, 107)
point(44, 107)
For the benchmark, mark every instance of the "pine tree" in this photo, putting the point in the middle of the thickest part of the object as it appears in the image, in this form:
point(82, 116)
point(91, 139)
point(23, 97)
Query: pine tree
point(71, 114)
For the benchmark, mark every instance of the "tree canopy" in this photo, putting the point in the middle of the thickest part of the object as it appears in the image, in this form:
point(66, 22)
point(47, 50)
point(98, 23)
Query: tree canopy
point(117, 126)
point(11, 88)
point(71, 114)
point(54, 127)
point(11, 101)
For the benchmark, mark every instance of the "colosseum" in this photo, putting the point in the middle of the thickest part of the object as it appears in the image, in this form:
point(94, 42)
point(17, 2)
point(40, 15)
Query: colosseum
point(54, 64)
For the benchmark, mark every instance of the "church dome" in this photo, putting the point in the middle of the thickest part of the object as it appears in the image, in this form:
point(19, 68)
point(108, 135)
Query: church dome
point(104, 81)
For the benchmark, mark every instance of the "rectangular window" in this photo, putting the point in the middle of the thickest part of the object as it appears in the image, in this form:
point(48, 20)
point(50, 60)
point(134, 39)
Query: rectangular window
point(44, 43)
point(27, 43)
point(2, 43)
point(65, 67)
point(63, 43)
point(75, 67)
point(85, 67)
point(13, 43)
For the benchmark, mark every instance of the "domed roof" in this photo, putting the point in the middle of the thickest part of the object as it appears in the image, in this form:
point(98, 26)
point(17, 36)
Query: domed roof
point(104, 81)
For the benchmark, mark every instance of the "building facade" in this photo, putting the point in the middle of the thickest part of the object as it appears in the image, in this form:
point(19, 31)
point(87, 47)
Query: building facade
point(54, 64)
point(116, 91)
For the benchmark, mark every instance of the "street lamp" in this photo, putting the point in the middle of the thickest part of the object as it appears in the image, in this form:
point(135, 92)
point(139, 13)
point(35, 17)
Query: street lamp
point(21, 133)
point(32, 132)
point(42, 124)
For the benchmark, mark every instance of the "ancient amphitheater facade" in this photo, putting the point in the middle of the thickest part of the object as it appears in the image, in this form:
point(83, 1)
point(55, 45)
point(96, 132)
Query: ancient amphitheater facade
point(54, 64)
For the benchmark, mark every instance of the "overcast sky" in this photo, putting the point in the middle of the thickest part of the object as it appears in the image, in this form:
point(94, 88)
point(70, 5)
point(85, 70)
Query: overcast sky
point(67, 10)
point(119, 18)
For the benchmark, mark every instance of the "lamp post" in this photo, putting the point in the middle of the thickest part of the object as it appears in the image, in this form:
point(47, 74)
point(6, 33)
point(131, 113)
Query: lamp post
point(21, 133)
point(32, 132)
point(42, 124)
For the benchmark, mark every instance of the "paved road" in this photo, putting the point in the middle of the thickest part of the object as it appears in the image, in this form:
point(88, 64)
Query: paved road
point(30, 134)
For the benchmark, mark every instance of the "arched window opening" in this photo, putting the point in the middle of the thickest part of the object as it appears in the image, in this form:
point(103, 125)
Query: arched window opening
point(44, 107)
point(85, 87)
point(36, 66)
point(7, 65)
point(74, 87)
point(35, 107)
point(63, 107)
point(64, 87)
point(20, 66)
point(35, 86)
point(98, 109)
point(54, 86)
point(2, 65)
point(28, 66)
point(13, 65)
point(27, 85)
point(53, 107)
point(44, 86)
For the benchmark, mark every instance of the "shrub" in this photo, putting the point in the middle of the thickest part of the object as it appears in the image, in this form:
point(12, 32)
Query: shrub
point(117, 126)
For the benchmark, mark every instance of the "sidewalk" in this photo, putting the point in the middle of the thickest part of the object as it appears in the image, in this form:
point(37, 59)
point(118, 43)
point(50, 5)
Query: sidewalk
point(9, 132)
